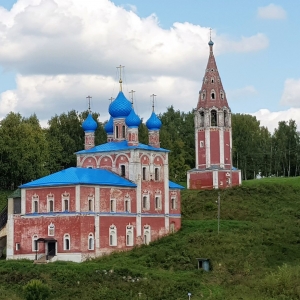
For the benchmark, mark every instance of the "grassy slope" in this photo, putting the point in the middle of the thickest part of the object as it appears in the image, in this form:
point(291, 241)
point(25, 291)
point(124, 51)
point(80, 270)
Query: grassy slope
point(255, 256)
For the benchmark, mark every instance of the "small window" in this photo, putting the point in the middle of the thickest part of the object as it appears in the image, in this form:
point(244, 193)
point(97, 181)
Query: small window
point(51, 205)
point(213, 95)
point(51, 229)
point(123, 171)
point(146, 205)
point(91, 204)
point(157, 202)
point(213, 121)
point(113, 205)
point(127, 207)
point(156, 174)
point(123, 132)
point(66, 205)
point(172, 228)
point(18, 246)
point(147, 234)
point(212, 80)
point(117, 132)
point(112, 235)
point(173, 203)
point(201, 118)
point(91, 241)
point(65, 201)
point(67, 243)
point(35, 206)
point(201, 144)
point(129, 235)
point(144, 173)
point(222, 95)
point(35, 245)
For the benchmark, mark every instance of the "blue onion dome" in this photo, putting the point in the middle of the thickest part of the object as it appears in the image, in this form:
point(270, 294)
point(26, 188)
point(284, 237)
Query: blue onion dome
point(133, 119)
point(120, 107)
point(89, 125)
point(210, 43)
point(153, 123)
point(109, 126)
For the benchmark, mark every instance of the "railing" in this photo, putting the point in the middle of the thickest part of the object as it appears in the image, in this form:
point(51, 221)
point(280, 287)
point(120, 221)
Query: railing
point(3, 217)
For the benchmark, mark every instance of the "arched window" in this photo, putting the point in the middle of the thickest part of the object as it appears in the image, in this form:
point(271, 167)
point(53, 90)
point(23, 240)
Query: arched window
point(147, 234)
point(201, 118)
point(203, 95)
point(146, 202)
point(127, 206)
point(51, 229)
point(112, 235)
point(172, 227)
point(213, 119)
point(212, 80)
point(91, 241)
point(156, 174)
point(113, 205)
point(35, 203)
point(67, 242)
point(50, 201)
point(65, 201)
point(222, 95)
point(129, 235)
point(117, 132)
point(35, 245)
point(213, 95)
point(144, 173)
point(173, 203)
point(225, 118)
point(91, 202)
point(123, 132)
point(123, 171)
point(157, 202)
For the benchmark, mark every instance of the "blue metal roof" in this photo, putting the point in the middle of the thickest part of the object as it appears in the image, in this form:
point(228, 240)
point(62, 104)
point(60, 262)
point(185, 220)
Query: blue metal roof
point(120, 107)
point(73, 176)
point(133, 120)
point(153, 123)
point(109, 126)
point(89, 125)
point(117, 146)
point(173, 185)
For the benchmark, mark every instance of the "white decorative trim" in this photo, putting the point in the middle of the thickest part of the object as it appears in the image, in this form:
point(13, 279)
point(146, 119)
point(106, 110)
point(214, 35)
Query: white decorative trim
point(207, 147)
point(77, 198)
point(215, 179)
point(222, 148)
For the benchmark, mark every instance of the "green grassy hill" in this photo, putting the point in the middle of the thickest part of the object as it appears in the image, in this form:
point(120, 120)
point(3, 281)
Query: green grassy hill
point(256, 255)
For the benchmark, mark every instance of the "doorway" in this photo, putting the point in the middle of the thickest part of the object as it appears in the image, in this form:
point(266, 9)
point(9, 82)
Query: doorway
point(52, 248)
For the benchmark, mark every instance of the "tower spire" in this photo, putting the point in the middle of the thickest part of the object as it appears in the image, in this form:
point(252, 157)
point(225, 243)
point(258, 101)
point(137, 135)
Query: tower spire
point(120, 80)
point(153, 99)
point(89, 99)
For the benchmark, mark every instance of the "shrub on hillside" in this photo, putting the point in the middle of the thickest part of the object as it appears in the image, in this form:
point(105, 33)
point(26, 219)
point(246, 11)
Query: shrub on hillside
point(36, 290)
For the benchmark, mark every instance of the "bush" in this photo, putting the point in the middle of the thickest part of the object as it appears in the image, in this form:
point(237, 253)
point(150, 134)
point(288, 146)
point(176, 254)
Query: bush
point(36, 290)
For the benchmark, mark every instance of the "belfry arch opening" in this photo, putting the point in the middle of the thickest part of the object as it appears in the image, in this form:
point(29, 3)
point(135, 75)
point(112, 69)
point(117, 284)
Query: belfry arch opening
point(201, 118)
point(225, 118)
point(213, 118)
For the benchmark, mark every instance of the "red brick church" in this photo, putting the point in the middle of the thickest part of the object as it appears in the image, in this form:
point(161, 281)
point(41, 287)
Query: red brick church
point(117, 197)
point(213, 137)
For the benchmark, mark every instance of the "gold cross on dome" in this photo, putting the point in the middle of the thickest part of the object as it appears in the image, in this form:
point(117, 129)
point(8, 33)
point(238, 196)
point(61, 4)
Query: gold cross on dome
point(153, 99)
point(89, 99)
point(120, 81)
point(131, 92)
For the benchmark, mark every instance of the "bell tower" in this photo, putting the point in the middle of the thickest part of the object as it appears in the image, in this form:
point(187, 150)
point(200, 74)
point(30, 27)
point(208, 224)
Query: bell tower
point(213, 138)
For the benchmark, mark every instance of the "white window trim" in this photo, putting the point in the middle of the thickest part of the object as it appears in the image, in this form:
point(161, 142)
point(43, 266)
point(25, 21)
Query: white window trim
point(18, 246)
point(35, 198)
point(91, 198)
point(91, 237)
point(146, 172)
point(50, 197)
point(34, 238)
point(147, 202)
point(129, 233)
point(201, 144)
point(113, 205)
point(157, 202)
point(65, 197)
point(147, 234)
point(174, 207)
point(124, 170)
point(51, 226)
point(113, 232)
point(158, 173)
point(67, 236)
point(128, 200)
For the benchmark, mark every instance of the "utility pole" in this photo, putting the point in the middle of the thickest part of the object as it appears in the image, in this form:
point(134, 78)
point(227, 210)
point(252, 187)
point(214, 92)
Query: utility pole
point(219, 211)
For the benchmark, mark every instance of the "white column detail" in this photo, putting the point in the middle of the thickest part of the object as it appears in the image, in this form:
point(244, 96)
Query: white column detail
point(166, 196)
point(221, 139)
point(97, 232)
point(215, 179)
point(207, 147)
point(138, 181)
point(240, 177)
point(97, 199)
point(10, 247)
point(188, 180)
point(77, 198)
point(197, 148)
point(23, 202)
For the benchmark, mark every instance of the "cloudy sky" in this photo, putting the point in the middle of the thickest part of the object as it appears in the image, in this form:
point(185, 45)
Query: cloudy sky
point(54, 53)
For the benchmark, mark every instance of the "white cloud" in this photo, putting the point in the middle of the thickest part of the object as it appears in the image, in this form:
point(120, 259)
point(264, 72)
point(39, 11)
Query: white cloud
point(65, 50)
point(271, 11)
point(291, 93)
point(241, 93)
point(271, 119)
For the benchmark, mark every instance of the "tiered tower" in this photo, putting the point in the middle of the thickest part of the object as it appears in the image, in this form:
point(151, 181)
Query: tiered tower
point(213, 138)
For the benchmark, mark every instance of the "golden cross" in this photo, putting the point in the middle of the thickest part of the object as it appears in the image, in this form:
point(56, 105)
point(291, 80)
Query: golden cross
point(153, 98)
point(111, 99)
point(131, 92)
point(120, 81)
point(89, 97)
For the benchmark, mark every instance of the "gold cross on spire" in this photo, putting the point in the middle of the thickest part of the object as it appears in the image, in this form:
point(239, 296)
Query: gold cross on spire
point(131, 92)
point(111, 99)
point(89, 97)
point(210, 33)
point(120, 81)
point(153, 98)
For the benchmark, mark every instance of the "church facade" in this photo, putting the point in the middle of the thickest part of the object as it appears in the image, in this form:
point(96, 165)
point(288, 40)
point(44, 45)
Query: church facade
point(117, 197)
point(213, 135)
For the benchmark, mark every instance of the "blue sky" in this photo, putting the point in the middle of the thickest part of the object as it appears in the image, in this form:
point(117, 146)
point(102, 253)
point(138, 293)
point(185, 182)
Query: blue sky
point(50, 62)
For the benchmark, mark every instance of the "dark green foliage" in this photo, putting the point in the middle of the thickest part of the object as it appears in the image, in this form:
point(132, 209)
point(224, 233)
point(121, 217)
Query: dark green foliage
point(36, 290)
